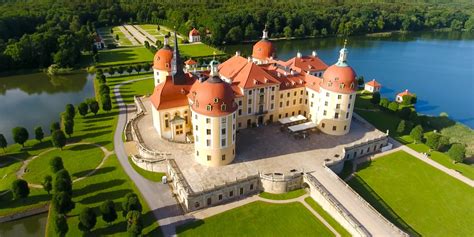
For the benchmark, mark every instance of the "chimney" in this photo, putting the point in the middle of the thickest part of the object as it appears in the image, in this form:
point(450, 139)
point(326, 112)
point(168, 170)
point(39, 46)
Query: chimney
point(298, 54)
point(249, 59)
point(237, 53)
point(314, 53)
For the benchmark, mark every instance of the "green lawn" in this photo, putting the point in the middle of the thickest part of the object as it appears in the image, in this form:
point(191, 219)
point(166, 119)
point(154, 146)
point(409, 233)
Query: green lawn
point(416, 196)
point(78, 160)
point(259, 219)
point(338, 227)
point(123, 41)
point(144, 87)
point(153, 176)
point(93, 190)
point(198, 50)
point(283, 196)
point(124, 55)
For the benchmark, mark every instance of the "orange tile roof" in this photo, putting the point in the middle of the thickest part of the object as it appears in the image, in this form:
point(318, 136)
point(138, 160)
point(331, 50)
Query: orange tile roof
point(307, 64)
point(194, 32)
point(232, 66)
point(168, 95)
point(373, 83)
point(252, 75)
point(190, 62)
point(215, 93)
point(313, 82)
point(406, 92)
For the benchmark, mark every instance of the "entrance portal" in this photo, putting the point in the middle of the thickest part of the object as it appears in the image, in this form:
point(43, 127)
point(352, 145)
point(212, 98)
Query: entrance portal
point(260, 120)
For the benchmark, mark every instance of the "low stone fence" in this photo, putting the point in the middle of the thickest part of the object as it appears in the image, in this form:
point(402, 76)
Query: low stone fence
point(139, 104)
point(152, 165)
point(31, 212)
point(392, 226)
point(330, 204)
point(280, 182)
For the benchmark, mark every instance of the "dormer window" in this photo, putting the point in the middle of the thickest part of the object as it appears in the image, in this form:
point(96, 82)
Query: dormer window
point(209, 107)
point(352, 85)
point(330, 83)
point(216, 100)
point(336, 79)
point(223, 107)
point(341, 86)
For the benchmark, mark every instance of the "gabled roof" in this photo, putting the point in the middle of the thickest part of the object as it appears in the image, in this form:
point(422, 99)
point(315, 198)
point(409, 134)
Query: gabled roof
point(232, 66)
point(190, 62)
point(194, 32)
point(306, 63)
point(406, 92)
point(313, 82)
point(252, 75)
point(373, 83)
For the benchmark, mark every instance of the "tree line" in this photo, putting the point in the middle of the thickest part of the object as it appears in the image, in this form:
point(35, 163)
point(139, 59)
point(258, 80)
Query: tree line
point(36, 34)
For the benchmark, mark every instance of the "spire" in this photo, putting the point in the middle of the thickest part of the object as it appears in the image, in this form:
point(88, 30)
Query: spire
point(265, 33)
point(166, 42)
point(177, 65)
point(342, 61)
point(214, 66)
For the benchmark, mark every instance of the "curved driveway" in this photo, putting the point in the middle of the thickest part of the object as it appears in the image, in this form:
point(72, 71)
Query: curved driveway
point(158, 196)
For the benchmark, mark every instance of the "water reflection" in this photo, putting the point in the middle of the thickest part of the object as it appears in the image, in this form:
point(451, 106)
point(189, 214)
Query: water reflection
point(38, 83)
point(33, 226)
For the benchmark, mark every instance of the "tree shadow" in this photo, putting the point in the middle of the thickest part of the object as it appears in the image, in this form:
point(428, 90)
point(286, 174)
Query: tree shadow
point(9, 203)
point(120, 226)
point(81, 147)
point(99, 171)
point(97, 187)
point(96, 128)
point(189, 225)
point(99, 197)
point(87, 135)
point(380, 205)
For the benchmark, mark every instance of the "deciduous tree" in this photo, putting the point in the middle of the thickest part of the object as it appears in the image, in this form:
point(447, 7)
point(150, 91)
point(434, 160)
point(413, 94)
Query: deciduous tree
point(87, 220)
point(58, 139)
point(62, 202)
point(60, 225)
point(47, 183)
point(20, 135)
point(83, 109)
point(94, 106)
point(457, 152)
point(39, 134)
point(70, 111)
point(417, 133)
point(107, 209)
point(56, 164)
point(62, 182)
point(401, 128)
point(3, 142)
point(131, 203)
point(134, 223)
point(20, 189)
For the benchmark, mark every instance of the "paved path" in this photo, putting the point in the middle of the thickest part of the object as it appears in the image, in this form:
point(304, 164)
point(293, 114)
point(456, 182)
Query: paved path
point(128, 35)
point(158, 196)
point(211, 211)
point(146, 34)
point(139, 35)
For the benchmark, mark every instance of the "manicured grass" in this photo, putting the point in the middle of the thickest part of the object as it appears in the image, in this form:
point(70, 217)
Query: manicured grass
point(123, 41)
point(338, 227)
point(121, 56)
point(145, 87)
point(78, 160)
point(283, 196)
point(153, 176)
point(198, 50)
point(259, 219)
point(416, 196)
point(8, 169)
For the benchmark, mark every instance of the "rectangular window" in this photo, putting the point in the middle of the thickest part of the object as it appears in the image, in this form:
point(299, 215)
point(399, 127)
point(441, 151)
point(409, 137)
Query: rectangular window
point(347, 115)
point(208, 131)
point(324, 112)
point(197, 128)
point(197, 139)
point(250, 92)
point(345, 127)
point(322, 125)
point(339, 97)
point(271, 106)
point(306, 101)
point(223, 120)
point(273, 88)
point(240, 103)
point(249, 111)
point(281, 104)
point(223, 142)
point(288, 94)
point(240, 112)
point(251, 186)
point(301, 92)
point(240, 125)
point(349, 106)
point(208, 158)
point(334, 128)
point(293, 113)
point(350, 97)
point(326, 103)
point(241, 191)
point(286, 114)
point(295, 93)
point(338, 106)
point(250, 101)
point(231, 193)
point(311, 104)
point(273, 97)
point(195, 116)
point(223, 131)
point(336, 115)
point(312, 95)
point(220, 196)
point(208, 142)
point(327, 94)
point(301, 100)
point(281, 96)
point(288, 103)
point(223, 157)
point(294, 102)
point(208, 120)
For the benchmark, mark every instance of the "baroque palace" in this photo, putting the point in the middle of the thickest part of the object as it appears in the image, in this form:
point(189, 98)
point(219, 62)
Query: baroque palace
point(208, 107)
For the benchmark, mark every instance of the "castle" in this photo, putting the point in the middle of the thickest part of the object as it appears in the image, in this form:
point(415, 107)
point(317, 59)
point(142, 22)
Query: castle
point(209, 107)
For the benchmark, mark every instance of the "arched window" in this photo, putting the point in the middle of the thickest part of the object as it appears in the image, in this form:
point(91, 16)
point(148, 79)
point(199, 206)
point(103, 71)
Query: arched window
point(223, 107)
point(209, 107)
point(341, 86)
point(216, 100)
point(167, 122)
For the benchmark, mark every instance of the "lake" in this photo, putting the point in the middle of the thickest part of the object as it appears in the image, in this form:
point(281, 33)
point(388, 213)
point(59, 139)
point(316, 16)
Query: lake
point(437, 66)
point(33, 226)
point(37, 99)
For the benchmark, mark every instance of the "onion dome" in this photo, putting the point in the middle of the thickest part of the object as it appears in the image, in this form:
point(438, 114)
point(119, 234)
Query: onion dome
point(263, 49)
point(340, 77)
point(163, 57)
point(213, 97)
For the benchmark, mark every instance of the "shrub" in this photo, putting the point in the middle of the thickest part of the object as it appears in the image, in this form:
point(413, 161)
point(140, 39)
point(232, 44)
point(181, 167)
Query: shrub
point(20, 189)
point(457, 152)
point(87, 219)
point(58, 139)
point(107, 209)
point(83, 109)
point(432, 140)
point(134, 223)
point(131, 203)
point(393, 106)
point(384, 103)
point(401, 128)
point(417, 133)
point(60, 225)
point(62, 202)
point(56, 164)
point(20, 135)
point(375, 98)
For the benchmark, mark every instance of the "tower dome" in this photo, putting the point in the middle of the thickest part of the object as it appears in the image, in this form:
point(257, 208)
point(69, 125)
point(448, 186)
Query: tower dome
point(213, 97)
point(340, 77)
point(263, 49)
point(163, 57)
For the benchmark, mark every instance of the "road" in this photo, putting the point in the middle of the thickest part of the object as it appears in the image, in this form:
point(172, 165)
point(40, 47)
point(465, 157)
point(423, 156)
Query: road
point(158, 196)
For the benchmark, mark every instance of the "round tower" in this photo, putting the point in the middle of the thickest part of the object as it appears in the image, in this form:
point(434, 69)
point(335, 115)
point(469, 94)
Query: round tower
point(263, 51)
point(337, 94)
point(162, 62)
point(214, 120)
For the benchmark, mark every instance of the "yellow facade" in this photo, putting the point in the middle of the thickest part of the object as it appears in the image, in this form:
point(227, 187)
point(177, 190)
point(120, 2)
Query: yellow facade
point(334, 112)
point(169, 126)
point(159, 76)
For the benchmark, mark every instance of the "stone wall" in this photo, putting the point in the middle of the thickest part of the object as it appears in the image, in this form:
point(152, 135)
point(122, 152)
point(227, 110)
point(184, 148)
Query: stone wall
point(281, 183)
point(153, 165)
point(31, 212)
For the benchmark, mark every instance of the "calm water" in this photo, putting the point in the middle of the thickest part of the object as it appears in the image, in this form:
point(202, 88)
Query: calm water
point(33, 226)
point(438, 67)
point(37, 100)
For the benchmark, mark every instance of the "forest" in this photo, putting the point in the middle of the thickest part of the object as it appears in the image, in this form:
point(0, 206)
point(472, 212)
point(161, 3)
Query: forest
point(36, 34)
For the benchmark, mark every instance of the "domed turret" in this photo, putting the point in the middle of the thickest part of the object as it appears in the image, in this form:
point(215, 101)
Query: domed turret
point(214, 119)
point(263, 50)
point(162, 62)
point(340, 77)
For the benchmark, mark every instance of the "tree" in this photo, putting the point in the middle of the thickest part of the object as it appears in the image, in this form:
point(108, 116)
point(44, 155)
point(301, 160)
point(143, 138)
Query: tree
point(360, 80)
point(404, 113)
point(20, 135)
point(39, 134)
point(129, 69)
point(58, 139)
point(138, 68)
point(131, 203)
point(47, 183)
point(375, 98)
point(147, 44)
point(106, 103)
point(146, 67)
point(83, 109)
point(287, 31)
point(107, 209)
point(401, 128)
point(56, 164)
point(68, 127)
point(393, 106)
point(20, 189)
point(60, 225)
point(87, 220)
point(443, 143)
point(432, 140)
point(62, 202)
point(94, 106)
point(120, 70)
point(62, 182)
point(234, 35)
point(112, 71)
point(417, 133)
point(54, 126)
point(384, 102)
point(134, 223)
point(3, 142)
point(70, 111)
point(457, 152)
point(104, 90)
